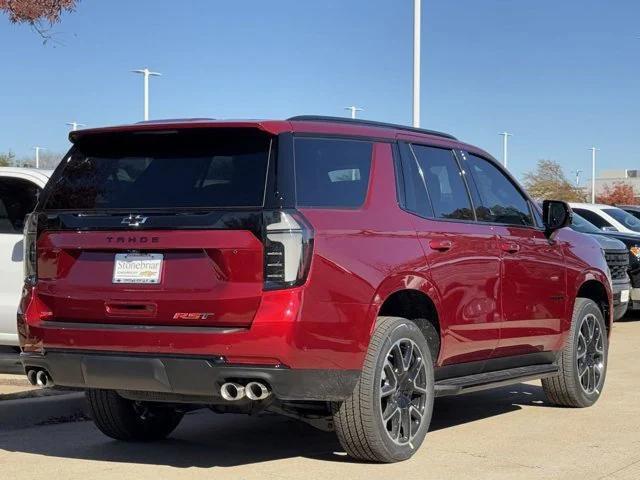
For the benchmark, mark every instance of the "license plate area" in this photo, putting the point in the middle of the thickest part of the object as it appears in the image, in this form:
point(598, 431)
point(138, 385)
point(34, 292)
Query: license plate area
point(624, 296)
point(137, 268)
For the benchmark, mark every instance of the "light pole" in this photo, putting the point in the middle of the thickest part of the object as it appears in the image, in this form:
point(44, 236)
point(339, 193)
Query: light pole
point(354, 110)
point(417, 21)
point(37, 149)
point(146, 73)
point(505, 148)
point(578, 173)
point(74, 125)
point(593, 174)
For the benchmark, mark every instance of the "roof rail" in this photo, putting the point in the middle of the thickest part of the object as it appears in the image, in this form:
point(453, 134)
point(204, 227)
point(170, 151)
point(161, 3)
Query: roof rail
point(174, 120)
point(369, 123)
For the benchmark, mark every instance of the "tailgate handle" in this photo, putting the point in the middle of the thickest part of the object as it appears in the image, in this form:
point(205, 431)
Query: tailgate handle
point(130, 309)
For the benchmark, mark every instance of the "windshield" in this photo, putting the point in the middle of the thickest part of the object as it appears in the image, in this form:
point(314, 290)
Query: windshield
point(178, 169)
point(625, 218)
point(579, 224)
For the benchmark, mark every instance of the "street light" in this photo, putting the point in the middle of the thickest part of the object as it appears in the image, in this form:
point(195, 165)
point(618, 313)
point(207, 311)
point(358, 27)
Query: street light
point(593, 174)
point(417, 21)
point(146, 73)
point(74, 125)
point(578, 173)
point(37, 149)
point(505, 148)
point(354, 110)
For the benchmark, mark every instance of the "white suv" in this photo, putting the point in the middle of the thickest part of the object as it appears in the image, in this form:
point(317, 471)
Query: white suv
point(19, 190)
point(607, 217)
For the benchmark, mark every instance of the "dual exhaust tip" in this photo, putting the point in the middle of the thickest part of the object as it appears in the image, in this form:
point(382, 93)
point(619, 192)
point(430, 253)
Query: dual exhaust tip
point(232, 391)
point(40, 378)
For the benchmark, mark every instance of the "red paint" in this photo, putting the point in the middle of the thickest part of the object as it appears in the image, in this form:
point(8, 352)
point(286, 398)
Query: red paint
point(497, 290)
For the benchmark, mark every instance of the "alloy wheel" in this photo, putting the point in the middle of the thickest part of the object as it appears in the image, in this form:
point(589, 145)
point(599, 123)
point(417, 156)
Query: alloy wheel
point(590, 353)
point(403, 391)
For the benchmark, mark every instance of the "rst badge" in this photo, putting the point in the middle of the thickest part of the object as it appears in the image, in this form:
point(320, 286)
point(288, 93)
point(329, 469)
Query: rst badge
point(192, 315)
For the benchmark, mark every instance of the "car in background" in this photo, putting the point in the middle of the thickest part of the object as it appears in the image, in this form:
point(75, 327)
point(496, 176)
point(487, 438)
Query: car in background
point(623, 258)
point(19, 191)
point(632, 209)
point(608, 218)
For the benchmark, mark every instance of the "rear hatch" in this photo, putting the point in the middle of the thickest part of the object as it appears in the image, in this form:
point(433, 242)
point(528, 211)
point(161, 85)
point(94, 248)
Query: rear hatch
point(156, 228)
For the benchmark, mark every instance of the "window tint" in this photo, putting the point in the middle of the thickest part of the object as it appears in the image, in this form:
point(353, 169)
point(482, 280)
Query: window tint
point(625, 218)
point(580, 224)
point(331, 172)
point(501, 201)
point(438, 170)
point(592, 217)
point(188, 169)
point(17, 199)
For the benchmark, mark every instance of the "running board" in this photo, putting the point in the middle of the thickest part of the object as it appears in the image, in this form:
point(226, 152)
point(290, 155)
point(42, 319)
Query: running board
point(481, 381)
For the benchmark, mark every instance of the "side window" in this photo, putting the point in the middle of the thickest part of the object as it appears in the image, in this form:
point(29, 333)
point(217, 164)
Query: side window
point(18, 198)
point(438, 171)
point(501, 201)
point(332, 172)
point(593, 217)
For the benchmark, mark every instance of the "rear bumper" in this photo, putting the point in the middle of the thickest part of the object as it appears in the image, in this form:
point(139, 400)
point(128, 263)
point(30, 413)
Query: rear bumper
point(198, 379)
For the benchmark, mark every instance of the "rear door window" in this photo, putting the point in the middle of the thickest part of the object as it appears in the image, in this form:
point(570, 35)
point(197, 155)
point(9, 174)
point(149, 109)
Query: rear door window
point(332, 173)
point(18, 198)
point(436, 171)
point(184, 169)
point(593, 217)
point(501, 201)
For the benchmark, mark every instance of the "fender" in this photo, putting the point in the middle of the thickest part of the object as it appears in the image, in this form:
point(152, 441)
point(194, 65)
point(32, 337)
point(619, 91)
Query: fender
point(395, 283)
point(585, 276)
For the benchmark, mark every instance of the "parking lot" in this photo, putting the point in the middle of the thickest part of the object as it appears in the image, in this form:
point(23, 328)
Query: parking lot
point(499, 434)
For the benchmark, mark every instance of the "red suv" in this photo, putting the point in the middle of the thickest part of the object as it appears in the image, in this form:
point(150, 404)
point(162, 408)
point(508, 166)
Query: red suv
point(343, 272)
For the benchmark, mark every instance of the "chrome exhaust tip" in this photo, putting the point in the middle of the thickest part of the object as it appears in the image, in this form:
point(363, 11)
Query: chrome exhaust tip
point(257, 391)
point(31, 376)
point(43, 379)
point(232, 392)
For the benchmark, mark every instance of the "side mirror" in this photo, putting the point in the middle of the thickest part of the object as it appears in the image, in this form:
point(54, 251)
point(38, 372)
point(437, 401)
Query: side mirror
point(555, 215)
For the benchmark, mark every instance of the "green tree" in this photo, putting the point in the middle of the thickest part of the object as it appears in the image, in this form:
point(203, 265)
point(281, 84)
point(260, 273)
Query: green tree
point(548, 182)
point(7, 159)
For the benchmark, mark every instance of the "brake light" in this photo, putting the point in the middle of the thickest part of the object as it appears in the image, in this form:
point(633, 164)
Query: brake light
point(30, 250)
point(288, 244)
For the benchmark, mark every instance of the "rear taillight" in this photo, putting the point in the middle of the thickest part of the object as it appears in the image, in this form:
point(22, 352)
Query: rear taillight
point(288, 244)
point(30, 250)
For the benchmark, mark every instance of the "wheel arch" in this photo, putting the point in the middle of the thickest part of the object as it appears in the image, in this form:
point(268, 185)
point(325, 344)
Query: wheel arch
point(414, 298)
point(596, 288)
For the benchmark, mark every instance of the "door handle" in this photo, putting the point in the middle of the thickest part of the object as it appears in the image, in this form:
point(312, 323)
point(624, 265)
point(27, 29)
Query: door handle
point(440, 245)
point(509, 247)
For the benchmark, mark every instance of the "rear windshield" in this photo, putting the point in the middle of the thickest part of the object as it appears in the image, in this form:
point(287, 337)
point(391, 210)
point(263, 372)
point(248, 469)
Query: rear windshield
point(163, 170)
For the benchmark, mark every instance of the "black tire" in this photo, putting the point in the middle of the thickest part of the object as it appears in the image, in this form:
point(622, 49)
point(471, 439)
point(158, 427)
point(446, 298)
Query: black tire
point(570, 387)
point(127, 420)
point(359, 423)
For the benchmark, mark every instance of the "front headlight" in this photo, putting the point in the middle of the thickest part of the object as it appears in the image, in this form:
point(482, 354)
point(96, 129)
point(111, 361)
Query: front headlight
point(635, 251)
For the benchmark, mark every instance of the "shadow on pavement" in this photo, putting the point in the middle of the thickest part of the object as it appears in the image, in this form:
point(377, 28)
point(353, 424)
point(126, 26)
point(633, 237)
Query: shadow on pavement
point(631, 316)
point(207, 440)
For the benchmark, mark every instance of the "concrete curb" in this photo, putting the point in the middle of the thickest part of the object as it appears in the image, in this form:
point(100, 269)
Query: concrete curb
point(30, 412)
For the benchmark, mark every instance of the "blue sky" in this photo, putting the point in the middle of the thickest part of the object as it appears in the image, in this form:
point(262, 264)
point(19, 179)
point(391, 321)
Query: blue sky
point(560, 75)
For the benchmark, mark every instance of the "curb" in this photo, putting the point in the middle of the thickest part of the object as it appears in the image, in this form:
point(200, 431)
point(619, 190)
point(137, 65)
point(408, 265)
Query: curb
point(35, 411)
